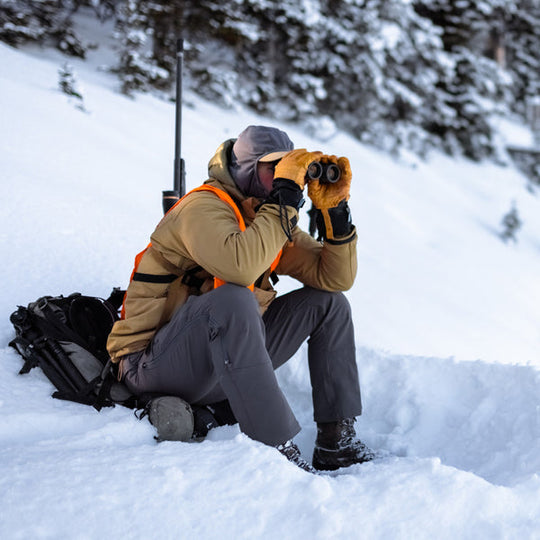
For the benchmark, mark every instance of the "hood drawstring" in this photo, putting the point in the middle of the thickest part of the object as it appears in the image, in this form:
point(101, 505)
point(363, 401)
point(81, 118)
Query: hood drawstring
point(284, 214)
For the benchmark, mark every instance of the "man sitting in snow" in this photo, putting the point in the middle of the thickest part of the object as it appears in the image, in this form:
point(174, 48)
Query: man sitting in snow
point(202, 320)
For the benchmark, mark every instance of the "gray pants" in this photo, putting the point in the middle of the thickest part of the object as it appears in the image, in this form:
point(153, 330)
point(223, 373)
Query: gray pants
point(217, 347)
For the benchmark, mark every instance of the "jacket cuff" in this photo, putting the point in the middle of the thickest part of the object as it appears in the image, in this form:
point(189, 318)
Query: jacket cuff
point(340, 240)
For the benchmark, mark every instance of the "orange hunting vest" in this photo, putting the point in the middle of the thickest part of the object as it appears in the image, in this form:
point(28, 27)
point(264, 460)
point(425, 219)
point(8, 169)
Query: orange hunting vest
point(225, 197)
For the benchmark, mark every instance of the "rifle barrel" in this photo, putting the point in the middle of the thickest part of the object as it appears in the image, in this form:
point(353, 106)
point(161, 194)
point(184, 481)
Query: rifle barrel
point(179, 170)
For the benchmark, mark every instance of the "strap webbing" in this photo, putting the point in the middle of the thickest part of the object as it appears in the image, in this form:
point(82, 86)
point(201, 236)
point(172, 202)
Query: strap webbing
point(154, 278)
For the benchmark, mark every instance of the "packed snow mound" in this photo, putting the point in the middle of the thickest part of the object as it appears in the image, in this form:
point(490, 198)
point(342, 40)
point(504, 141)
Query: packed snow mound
point(460, 442)
point(479, 417)
point(446, 319)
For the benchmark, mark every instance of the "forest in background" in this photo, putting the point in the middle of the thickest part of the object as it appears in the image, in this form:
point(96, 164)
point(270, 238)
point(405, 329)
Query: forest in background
point(397, 74)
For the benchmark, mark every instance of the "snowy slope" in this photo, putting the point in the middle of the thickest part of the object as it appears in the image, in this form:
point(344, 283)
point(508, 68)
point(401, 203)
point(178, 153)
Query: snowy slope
point(447, 325)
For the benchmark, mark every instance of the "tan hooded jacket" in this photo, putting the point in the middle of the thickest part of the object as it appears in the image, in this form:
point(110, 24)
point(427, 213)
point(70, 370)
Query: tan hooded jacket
point(203, 231)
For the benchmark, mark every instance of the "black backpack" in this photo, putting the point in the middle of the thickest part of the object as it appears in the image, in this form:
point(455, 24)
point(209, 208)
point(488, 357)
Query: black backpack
point(66, 337)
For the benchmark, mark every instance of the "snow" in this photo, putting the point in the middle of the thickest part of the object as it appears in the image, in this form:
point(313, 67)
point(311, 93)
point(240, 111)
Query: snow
point(447, 321)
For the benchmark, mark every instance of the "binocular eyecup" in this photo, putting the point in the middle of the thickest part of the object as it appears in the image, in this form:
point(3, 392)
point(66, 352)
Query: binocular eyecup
point(325, 173)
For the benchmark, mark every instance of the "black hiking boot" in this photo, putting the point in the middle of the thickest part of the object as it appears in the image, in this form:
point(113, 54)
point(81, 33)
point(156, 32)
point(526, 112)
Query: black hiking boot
point(337, 446)
point(292, 453)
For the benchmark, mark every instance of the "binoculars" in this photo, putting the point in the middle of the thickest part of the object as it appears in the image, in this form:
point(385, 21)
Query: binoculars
point(325, 173)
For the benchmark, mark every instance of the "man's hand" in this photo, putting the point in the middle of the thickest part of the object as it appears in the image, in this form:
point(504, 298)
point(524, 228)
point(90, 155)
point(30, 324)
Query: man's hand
point(293, 166)
point(333, 216)
point(328, 195)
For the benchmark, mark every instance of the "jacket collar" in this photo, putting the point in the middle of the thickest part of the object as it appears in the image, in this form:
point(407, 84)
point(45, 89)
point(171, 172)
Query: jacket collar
point(221, 178)
point(219, 174)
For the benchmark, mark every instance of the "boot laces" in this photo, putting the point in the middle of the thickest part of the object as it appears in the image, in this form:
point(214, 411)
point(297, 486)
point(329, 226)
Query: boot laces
point(292, 453)
point(348, 440)
point(348, 433)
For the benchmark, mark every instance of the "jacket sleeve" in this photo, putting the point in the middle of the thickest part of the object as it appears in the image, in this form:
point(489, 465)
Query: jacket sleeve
point(327, 266)
point(205, 230)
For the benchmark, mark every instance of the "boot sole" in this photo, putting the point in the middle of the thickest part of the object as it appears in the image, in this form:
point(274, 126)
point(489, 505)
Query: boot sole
point(333, 462)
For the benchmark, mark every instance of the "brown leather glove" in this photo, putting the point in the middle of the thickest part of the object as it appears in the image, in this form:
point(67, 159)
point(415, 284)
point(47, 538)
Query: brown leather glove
point(293, 165)
point(328, 195)
point(332, 214)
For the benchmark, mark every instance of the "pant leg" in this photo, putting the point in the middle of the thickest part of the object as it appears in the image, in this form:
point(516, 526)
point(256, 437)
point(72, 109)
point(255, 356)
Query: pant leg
point(214, 348)
point(324, 317)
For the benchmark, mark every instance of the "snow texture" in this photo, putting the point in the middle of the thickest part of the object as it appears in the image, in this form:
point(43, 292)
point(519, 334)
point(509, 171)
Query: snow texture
point(447, 321)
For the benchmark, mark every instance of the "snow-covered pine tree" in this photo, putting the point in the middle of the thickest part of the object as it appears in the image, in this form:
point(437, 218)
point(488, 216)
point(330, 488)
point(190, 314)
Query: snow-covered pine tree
point(23, 21)
point(67, 82)
point(478, 91)
point(390, 72)
point(342, 59)
point(279, 45)
point(210, 40)
point(522, 43)
point(380, 63)
point(476, 88)
point(216, 53)
point(407, 61)
point(135, 68)
point(19, 23)
point(165, 20)
point(69, 85)
point(244, 52)
point(511, 223)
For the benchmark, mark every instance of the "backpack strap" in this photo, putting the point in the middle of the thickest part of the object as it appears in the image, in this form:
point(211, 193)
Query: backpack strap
point(115, 299)
point(86, 394)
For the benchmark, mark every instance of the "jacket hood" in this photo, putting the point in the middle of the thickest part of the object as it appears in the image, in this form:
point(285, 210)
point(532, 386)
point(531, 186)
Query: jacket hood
point(254, 144)
point(218, 169)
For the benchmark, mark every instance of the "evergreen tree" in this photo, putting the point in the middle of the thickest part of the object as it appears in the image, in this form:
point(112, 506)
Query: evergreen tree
point(511, 223)
point(380, 65)
point(394, 73)
point(407, 54)
point(24, 21)
point(476, 88)
point(466, 23)
point(136, 68)
point(278, 57)
point(19, 23)
point(166, 22)
point(67, 82)
point(69, 85)
point(348, 69)
point(522, 24)
point(477, 91)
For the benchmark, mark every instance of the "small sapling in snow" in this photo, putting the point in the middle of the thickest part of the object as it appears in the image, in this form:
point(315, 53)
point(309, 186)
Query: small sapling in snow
point(69, 85)
point(511, 223)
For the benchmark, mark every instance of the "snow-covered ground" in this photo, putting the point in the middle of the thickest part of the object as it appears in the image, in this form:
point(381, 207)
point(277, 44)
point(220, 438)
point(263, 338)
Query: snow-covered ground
point(447, 323)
